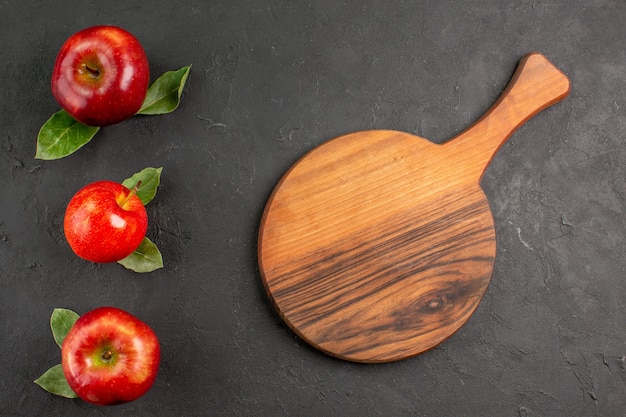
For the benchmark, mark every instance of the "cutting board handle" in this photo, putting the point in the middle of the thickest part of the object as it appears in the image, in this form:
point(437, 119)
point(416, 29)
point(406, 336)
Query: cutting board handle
point(535, 85)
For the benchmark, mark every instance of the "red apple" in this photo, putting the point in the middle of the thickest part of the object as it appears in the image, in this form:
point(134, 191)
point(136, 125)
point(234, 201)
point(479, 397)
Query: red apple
point(101, 75)
point(110, 357)
point(105, 222)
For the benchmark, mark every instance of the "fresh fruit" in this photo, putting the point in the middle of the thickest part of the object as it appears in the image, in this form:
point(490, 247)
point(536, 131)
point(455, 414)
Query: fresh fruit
point(101, 75)
point(105, 222)
point(110, 357)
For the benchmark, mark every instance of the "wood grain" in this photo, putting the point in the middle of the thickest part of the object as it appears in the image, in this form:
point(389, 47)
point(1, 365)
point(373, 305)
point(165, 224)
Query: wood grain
point(379, 245)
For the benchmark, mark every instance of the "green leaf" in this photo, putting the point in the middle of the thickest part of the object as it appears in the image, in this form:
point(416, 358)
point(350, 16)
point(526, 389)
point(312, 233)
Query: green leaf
point(53, 380)
point(61, 136)
point(61, 322)
point(163, 96)
point(146, 258)
point(150, 179)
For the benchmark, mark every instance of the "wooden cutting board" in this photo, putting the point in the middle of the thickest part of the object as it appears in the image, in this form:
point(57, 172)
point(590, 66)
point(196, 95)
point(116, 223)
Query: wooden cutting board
point(378, 245)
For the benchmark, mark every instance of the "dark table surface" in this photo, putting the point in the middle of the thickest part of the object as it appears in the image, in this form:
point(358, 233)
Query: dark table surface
point(269, 81)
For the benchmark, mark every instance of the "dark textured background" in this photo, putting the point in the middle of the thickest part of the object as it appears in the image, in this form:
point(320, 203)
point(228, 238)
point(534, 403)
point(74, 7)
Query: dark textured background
point(270, 80)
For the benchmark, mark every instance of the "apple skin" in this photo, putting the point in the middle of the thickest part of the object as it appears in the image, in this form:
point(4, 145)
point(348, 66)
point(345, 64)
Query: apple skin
point(104, 222)
point(101, 75)
point(110, 357)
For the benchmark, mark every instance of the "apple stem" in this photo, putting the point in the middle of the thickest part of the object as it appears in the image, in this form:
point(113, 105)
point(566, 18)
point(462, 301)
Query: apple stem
point(133, 191)
point(94, 72)
point(107, 355)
